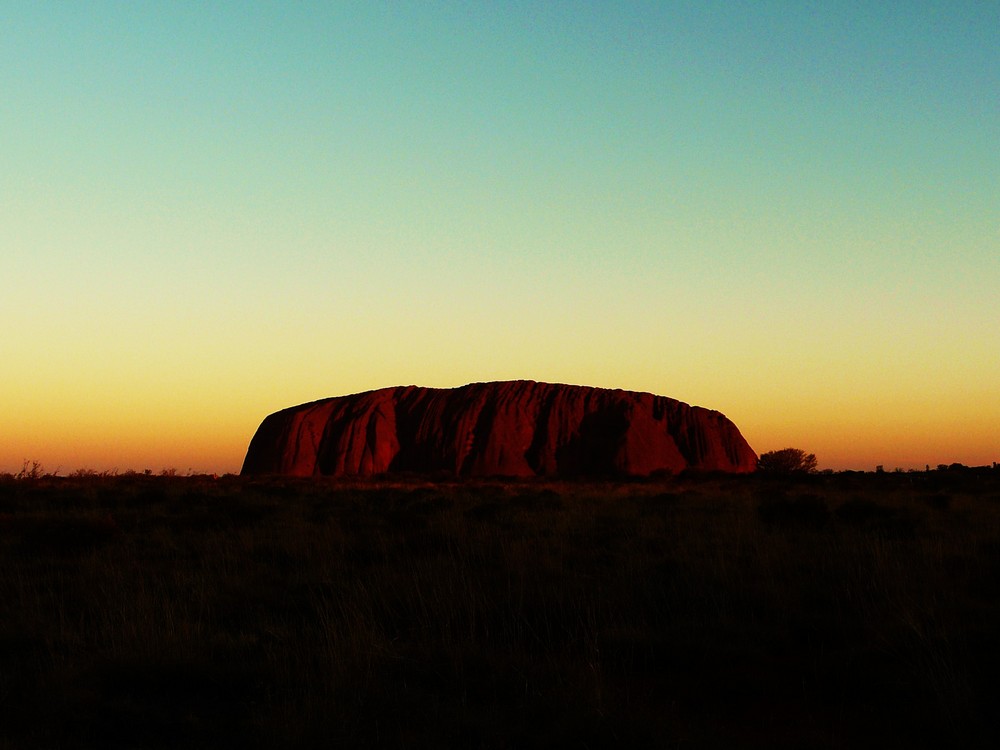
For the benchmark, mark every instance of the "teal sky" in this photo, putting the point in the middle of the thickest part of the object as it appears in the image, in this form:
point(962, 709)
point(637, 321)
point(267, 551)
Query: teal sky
point(787, 211)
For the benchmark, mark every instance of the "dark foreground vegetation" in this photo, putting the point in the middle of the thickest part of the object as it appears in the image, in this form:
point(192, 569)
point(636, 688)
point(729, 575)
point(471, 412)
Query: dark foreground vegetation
point(837, 611)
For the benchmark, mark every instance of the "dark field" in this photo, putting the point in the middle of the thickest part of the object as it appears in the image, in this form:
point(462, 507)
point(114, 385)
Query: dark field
point(837, 611)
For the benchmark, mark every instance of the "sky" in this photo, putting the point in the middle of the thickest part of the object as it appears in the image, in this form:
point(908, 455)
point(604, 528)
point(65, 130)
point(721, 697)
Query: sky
point(785, 211)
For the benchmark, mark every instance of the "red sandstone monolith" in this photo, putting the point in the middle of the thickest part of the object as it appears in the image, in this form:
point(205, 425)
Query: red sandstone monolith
point(515, 428)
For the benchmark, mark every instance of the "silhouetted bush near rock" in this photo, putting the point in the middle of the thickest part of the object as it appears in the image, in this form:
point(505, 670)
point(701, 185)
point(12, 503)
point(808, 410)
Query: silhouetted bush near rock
point(786, 461)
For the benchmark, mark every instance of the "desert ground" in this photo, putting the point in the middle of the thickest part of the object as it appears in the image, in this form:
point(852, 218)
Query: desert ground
point(838, 610)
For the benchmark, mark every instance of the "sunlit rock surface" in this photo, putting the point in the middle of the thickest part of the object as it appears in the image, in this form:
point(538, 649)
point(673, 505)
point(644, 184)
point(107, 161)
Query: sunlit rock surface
point(517, 428)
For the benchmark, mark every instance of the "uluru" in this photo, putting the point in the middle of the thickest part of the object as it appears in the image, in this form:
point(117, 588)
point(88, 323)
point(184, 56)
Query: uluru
point(517, 428)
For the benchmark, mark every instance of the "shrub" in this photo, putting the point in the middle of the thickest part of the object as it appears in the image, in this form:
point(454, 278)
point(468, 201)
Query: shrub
point(787, 461)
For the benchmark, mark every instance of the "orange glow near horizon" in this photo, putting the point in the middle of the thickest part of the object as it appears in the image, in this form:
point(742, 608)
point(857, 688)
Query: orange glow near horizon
point(202, 439)
point(788, 215)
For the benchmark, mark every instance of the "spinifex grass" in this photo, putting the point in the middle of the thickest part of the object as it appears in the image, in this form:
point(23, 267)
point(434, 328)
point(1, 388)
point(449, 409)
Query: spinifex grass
point(843, 611)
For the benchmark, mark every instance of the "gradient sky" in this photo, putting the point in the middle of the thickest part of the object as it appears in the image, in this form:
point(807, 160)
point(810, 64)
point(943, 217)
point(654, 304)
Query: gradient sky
point(786, 211)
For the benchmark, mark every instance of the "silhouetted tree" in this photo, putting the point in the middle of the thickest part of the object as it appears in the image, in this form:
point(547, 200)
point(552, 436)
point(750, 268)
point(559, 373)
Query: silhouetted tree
point(786, 461)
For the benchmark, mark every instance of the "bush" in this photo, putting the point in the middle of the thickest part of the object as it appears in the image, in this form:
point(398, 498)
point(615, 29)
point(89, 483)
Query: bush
point(30, 470)
point(787, 461)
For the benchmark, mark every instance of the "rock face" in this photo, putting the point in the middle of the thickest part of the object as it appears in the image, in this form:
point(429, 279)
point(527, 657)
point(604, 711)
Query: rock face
point(518, 428)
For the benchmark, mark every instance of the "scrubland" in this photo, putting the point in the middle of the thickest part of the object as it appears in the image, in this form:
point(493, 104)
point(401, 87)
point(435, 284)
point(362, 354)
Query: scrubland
point(838, 611)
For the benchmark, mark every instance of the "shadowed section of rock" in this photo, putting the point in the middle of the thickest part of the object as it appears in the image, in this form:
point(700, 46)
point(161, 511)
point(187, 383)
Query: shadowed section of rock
point(517, 428)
